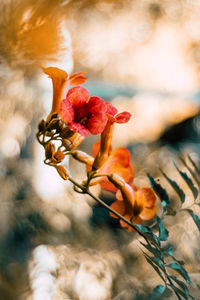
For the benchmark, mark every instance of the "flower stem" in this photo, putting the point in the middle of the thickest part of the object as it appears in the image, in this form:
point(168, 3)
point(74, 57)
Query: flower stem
point(86, 191)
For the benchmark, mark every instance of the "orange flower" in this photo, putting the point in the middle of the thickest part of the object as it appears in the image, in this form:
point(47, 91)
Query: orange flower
point(102, 149)
point(105, 148)
point(106, 161)
point(61, 82)
point(117, 162)
point(134, 204)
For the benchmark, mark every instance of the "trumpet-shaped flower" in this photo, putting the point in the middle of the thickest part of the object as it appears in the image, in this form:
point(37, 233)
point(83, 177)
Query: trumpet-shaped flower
point(135, 204)
point(105, 147)
point(118, 162)
point(61, 83)
point(106, 161)
point(82, 113)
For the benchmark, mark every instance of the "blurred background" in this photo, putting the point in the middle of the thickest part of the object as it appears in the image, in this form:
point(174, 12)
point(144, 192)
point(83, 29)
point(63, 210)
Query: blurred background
point(144, 56)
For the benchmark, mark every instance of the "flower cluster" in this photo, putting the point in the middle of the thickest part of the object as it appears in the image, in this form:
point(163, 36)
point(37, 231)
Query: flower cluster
point(74, 116)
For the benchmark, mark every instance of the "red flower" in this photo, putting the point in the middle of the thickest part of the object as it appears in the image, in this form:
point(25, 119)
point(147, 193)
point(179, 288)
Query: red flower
point(83, 114)
point(61, 83)
point(135, 205)
point(120, 118)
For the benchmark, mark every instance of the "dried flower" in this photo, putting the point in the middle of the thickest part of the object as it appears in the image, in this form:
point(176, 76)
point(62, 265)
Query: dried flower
point(55, 156)
point(41, 126)
point(58, 156)
point(53, 124)
point(49, 150)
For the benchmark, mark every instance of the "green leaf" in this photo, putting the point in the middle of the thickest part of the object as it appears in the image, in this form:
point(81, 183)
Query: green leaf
point(189, 182)
point(158, 262)
point(155, 260)
point(149, 234)
point(190, 170)
point(179, 292)
point(163, 232)
point(185, 293)
point(154, 266)
point(157, 253)
point(194, 217)
point(181, 270)
point(181, 284)
point(194, 165)
point(168, 251)
point(175, 186)
point(160, 191)
point(158, 292)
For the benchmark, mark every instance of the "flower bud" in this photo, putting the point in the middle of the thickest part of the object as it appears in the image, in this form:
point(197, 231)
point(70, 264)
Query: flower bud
point(49, 150)
point(67, 144)
point(66, 132)
point(58, 156)
point(53, 124)
point(117, 180)
point(76, 140)
point(83, 157)
point(41, 126)
point(62, 172)
point(49, 133)
point(105, 146)
point(54, 116)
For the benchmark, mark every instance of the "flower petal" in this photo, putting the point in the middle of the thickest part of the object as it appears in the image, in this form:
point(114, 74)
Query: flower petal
point(77, 127)
point(107, 185)
point(148, 213)
point(96, 104)
point(78, 96)
point(121, 156)
point(95, 148)
point(111, 118)
point(118, 206)
point(146, 197)
point(77, 78)
point(119, 194)
point(96, 123)
point(66, 111)
point(111, 110)
point(55, 73)
point(119, 163)
point(122, 117)
point(60, 81)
